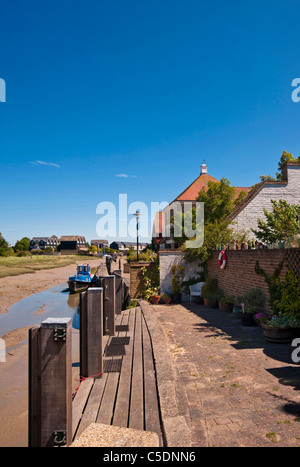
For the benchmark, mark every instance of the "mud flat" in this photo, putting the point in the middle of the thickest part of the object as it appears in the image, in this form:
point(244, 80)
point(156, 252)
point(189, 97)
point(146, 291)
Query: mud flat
point(14, 372)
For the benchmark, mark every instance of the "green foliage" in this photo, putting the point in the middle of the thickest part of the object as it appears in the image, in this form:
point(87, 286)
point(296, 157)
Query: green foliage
point(177, 271)
point(218, 200)
point(253, 301)
point(273, 283)
point(226, 300)
point(215, 234)
point(267, 178)
point(280, 224)
point(285, 157)
point(210, 289)
point(289, 300)
point(22, 245)
point(283, 321)
point(150, 280)
point(146, 255)
point(133, 304)
point(3, 243)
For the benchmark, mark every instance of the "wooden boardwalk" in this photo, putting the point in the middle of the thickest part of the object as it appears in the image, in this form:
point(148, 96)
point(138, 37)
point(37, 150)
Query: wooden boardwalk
point(126, 394)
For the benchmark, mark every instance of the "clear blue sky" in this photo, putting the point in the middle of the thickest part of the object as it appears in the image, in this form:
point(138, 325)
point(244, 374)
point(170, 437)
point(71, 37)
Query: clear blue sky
point(96, 89)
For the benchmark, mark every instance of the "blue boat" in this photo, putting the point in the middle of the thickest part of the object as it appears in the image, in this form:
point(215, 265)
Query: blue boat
point(82, 280)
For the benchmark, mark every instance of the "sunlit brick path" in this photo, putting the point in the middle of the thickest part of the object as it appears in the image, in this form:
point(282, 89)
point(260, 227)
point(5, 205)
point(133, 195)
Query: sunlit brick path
point(241, 390)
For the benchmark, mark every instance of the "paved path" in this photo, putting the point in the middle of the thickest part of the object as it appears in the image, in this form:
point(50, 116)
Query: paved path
point(241, 390)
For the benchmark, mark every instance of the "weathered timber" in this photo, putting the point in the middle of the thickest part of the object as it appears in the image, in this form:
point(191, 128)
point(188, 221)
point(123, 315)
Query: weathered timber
point(91, 332)
point(50, 383)
point(119, 291)
point(108, 283)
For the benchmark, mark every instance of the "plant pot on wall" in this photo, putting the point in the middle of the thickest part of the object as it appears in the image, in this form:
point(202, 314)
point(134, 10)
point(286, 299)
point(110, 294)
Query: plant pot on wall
point(155, 299)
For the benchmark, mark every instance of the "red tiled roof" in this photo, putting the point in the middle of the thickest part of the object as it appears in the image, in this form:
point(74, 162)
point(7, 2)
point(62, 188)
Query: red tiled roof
point(192, 191)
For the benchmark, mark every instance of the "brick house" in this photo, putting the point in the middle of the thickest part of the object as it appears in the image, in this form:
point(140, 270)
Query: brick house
point(246, 214)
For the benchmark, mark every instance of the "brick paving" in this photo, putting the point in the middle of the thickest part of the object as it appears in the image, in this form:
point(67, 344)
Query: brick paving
point(241, 390)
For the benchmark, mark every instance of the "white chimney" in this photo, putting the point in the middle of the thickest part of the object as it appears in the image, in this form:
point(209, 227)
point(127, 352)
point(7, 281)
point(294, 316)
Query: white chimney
point(203, 168)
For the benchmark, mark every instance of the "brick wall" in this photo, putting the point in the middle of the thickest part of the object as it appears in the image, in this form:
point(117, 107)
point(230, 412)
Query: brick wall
point(239, 275)
point(136, 278)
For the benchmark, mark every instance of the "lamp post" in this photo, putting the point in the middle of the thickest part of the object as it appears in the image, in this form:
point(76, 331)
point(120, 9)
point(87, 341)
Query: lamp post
point(137, 215)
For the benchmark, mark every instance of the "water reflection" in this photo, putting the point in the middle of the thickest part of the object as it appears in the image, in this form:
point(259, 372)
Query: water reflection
point(56, 302)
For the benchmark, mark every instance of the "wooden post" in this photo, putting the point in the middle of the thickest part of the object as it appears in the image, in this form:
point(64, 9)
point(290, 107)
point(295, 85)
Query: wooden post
point(91, 332)
point(50, 383)
point(34, 388)
point(119, 291)
point(109, 304)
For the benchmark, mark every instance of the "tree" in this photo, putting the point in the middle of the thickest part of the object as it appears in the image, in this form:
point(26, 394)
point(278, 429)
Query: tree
point(23, 244)
point(3, 243)
point(218, 200)
point(281, 223)
point(285, 157)
point(216, 234)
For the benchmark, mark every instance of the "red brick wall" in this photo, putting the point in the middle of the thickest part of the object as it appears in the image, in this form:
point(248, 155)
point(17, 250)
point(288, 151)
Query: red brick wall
point(239, 275)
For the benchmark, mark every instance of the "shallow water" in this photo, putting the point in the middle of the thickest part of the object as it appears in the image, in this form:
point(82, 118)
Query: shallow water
point(56, 302)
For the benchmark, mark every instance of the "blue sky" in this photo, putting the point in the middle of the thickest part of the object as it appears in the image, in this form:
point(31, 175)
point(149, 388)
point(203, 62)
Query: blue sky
point(98, 89)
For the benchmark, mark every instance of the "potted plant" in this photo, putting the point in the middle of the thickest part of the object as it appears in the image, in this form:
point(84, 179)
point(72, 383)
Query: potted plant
point(284, 325)
point(281, 328)
point(155, 297)
point(177, 282)
point(210, 292)
point(166, 298)
point(237, 309)
point(226, 303)
point(252, 304)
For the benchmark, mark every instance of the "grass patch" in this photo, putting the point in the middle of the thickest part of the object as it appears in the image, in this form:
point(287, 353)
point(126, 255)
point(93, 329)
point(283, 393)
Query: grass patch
point(14, 266)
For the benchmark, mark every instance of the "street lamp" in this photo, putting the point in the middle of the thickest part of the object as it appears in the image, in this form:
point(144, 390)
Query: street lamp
point(137, 215)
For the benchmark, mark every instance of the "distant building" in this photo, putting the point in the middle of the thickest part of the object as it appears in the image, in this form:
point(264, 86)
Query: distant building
point(40, 243)
point(124, 246)
point(100, 244)
point(72, 245)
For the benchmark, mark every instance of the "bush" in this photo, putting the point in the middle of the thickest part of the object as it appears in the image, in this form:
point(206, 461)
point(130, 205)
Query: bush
point(210, 289)
point(253, 300)
point(289, 301)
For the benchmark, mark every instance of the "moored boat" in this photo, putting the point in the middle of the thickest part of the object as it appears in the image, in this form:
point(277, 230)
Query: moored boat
point(82, 280)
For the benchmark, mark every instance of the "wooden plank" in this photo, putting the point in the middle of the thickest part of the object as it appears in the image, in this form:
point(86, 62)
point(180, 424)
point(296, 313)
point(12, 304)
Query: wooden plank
point(121, 411)
point(105, 413)
point(152, 414)
point(136, 415)
point(79, 402)
point(92, 407)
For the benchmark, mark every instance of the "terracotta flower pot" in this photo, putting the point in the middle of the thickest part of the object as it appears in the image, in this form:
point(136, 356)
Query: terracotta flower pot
point(167, 300)
point(155, 299)
point(210, 303)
